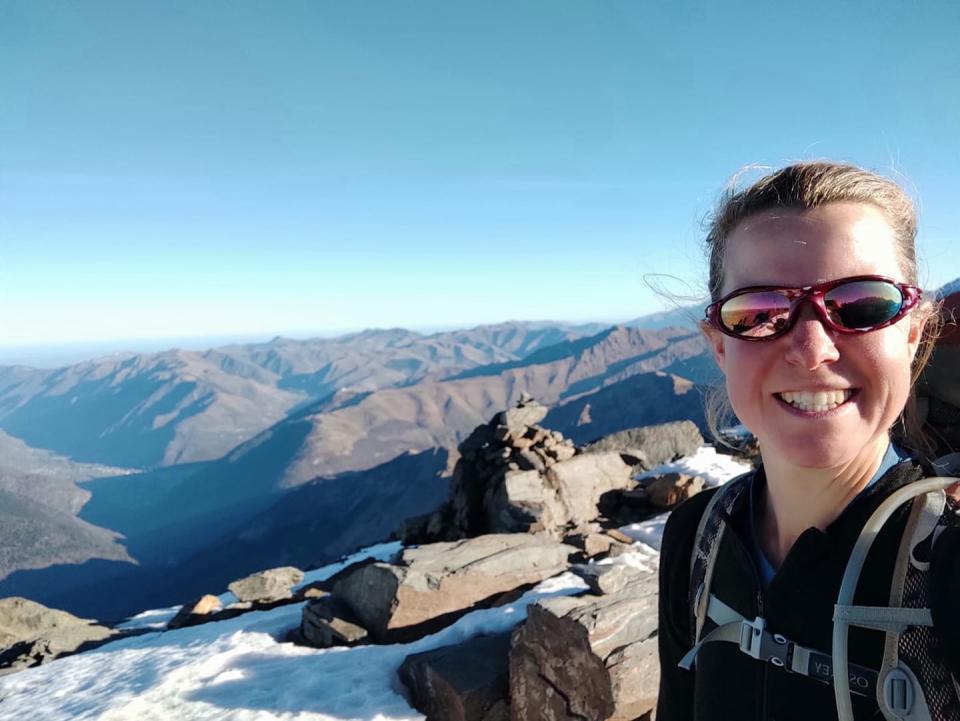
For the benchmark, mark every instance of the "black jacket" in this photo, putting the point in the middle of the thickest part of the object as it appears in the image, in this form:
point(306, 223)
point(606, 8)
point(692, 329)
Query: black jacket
point(727, 684)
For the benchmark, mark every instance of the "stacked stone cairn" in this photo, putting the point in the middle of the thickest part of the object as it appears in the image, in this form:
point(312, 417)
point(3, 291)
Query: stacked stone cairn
point(526, 504)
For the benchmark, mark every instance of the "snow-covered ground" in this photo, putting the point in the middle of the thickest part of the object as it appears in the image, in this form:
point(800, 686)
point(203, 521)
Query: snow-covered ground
point(714, 468)
point(241, 670)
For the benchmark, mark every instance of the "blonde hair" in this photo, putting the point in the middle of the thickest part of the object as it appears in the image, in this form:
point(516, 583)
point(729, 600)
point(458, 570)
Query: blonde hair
point(808, 185)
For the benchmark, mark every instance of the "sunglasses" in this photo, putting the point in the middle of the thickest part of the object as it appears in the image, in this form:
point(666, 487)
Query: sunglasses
point(847, 305)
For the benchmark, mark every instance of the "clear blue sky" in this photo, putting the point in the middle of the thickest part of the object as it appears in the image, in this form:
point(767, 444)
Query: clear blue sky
point(180, 168)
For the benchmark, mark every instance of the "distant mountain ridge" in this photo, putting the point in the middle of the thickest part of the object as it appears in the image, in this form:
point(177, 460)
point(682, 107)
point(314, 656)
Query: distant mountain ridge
point(309, 430)
point(148, 410)
point(380, 426)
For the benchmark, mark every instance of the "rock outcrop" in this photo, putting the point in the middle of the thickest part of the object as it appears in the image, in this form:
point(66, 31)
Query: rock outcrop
point(32, 634)
point(433, 585)
point(465, 682)
point(587, 657)
point(515, 477)
point(652, 445)
point(267, 586)
point(669, 489)
point(326, 623)
point(196, 612)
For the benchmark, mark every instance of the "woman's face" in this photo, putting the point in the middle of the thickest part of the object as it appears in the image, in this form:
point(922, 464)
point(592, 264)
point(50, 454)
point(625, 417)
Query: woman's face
point(800, 248)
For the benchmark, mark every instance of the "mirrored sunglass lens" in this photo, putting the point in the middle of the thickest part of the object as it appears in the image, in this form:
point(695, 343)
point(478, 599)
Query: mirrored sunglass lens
point(863, 303)
point(755, 315)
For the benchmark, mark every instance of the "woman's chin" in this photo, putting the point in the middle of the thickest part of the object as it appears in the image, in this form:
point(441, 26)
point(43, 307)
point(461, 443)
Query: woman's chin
point(822, 453)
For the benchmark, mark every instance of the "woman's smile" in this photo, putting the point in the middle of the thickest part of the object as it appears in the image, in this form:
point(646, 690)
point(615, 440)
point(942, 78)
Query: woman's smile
point(815, 403)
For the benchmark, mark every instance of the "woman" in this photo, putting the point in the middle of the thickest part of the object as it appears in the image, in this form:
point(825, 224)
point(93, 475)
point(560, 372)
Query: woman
point(820, 331)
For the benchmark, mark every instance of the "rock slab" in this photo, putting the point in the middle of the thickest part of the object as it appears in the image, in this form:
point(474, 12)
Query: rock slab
point(274, 584)
point(464, 682)
point(656, 444)
point(324, 625)
point(432, 585)
point(587, 658)
point(31, 633)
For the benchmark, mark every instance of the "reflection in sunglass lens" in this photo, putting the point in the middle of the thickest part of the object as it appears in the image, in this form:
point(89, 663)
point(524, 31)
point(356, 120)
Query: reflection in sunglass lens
point(863, 303)
point(755, 314)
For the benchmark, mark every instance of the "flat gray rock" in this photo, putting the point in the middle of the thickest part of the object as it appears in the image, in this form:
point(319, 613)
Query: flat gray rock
point(274, 584)
point(433, 585)
point(653, 444)
point(31, 633)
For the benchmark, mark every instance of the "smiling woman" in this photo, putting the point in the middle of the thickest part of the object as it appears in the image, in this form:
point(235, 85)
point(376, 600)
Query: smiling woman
point(820, 331)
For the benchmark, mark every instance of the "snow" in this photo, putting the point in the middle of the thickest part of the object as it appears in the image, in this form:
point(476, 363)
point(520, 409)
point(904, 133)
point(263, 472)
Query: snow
point(158, 618)
point(715, 468)
point(241, 670)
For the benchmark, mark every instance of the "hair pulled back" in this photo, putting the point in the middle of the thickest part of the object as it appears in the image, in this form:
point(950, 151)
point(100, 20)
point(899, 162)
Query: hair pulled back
point(805, 186)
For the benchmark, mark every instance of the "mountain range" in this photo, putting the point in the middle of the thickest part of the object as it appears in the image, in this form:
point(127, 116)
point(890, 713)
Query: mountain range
point(294, 439)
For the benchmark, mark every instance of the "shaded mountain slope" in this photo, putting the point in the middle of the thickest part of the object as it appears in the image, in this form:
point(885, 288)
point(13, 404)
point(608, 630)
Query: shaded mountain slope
point(144, 410)
point(175, 514)
point(37, 536)
point(308, 525)
point(320, 522)
point(39, 500)
point(46, 477)
point(638, 400)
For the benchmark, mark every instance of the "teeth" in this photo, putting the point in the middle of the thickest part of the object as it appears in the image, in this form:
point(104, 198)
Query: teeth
point(818, 402)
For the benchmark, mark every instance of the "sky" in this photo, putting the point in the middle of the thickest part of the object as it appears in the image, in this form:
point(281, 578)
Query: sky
point(238, 168)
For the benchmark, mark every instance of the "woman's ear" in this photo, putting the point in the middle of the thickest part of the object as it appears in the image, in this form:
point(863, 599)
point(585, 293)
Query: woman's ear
point(715, 339)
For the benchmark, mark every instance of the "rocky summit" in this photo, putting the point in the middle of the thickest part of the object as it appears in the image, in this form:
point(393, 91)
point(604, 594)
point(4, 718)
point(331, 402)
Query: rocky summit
point(526, 507)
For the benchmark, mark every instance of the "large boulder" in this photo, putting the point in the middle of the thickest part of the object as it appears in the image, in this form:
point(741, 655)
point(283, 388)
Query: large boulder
point(274, 584)
point(433, 585)
point(653, 444)
point(31, 634)
point(587, 658)
point(566, 496)
point(668, 489)
point(464, 682)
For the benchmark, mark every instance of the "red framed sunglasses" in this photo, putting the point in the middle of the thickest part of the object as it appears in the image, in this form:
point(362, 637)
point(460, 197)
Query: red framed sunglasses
point(859, 304)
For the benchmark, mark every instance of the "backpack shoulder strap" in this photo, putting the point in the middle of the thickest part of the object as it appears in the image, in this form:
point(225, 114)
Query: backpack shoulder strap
point(705, 546)
point(913, 684)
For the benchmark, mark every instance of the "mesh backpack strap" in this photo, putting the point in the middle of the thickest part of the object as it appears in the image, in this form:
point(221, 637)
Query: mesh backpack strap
point(706, 544)
point(917, 647)
point(914, 684)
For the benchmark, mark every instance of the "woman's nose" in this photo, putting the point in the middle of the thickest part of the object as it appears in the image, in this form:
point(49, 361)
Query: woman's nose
point(810, 343)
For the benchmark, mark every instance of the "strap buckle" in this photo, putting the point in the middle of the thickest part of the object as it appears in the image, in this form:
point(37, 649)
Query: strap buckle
point(751, 636)
point(758, 643)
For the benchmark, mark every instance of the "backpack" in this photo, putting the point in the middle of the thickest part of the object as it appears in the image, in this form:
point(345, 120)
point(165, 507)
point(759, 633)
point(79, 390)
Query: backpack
point(911, 685)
